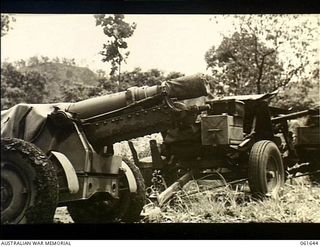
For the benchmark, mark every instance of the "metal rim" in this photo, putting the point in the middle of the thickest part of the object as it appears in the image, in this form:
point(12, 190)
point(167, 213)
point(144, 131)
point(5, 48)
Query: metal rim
point(15, 193)
point(272, 175)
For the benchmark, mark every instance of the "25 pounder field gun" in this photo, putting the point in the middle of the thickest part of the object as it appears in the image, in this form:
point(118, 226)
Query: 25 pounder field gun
point(62, 154)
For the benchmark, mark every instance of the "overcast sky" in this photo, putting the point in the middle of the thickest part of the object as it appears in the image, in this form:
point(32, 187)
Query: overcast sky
point(165, 42)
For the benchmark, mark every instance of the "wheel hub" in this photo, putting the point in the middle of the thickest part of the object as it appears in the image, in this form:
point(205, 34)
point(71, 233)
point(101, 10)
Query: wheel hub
point(271, 175)
point(14, 193)
point(6, 194)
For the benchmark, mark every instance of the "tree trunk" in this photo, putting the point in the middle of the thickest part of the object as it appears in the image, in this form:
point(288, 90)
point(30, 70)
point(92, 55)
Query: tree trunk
point(259, 84)
point(261, 71)
point(260, 75)
point(119, 76)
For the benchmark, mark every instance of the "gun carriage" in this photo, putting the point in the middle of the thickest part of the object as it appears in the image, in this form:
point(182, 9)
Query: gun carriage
point(235, 139)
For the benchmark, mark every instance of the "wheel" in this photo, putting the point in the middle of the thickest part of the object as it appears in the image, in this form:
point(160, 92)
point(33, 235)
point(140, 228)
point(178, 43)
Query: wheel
point(266, 172)
point(29, 185)
point(126, 209)
point(315, 177)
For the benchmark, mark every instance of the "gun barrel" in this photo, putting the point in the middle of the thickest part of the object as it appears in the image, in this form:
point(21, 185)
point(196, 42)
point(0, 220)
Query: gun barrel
point(106, 103)
point(186, 87)
point(294, 115)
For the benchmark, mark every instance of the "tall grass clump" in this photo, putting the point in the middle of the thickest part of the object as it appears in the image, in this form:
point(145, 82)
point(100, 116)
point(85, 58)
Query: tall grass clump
point(299, 202)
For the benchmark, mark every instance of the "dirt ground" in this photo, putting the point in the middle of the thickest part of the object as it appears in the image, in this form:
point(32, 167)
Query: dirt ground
point(62, 216)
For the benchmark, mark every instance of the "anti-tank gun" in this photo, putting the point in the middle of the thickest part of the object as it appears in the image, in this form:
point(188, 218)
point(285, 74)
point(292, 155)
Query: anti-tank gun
point(61, 154)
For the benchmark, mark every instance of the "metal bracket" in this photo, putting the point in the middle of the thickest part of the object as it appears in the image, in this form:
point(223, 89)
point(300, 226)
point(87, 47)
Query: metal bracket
point(130, 177)
point(70, 173)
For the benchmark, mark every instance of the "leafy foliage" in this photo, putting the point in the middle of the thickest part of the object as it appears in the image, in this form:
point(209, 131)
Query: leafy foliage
point(173, 75)
point(295, 97)
point(294, 37)
point(5, 23)
point(245, 65)
point(77, 92)
point(266, 52)
point(60, 75)
point(117, 30)
point(137, 78)
point(18, 87)
point(50, 81)
point(44, 80)
point(302, 95)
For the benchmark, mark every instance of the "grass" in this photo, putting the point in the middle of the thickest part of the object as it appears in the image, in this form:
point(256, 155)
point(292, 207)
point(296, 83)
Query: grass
point(298, 203)
point(299, 200)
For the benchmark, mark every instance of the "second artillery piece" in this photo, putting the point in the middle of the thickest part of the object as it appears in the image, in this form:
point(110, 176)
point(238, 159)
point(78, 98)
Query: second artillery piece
point(62, 154)
point(235, 139)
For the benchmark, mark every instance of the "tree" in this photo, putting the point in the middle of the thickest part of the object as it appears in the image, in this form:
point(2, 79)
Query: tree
point(140, 78)
point(137, 78)
point(11, 79)
point(114, 50)
point(34, 86)
point(268, 51)
point(33, 61)
point(20, 64)
point(296, 97)
point(44, 59)
point(302, 95)
point(68, 61)
point(173, 75)
point(77, 92)
point(5, 23)
point(101, 73)
point(244, 64)
point(56, 60)
point(294, 37)
point(17, 87)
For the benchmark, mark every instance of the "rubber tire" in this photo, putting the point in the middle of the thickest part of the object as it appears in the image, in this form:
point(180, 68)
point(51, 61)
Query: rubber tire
point(260, 154)
point(127, 209)
point(315, 178)
point(34, 173)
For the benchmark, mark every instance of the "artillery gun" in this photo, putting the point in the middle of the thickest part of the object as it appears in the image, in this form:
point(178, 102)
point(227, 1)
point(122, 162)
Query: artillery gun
point(62, 154)
point(235, 139)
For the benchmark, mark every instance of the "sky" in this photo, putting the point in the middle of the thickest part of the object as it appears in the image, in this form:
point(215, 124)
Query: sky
point(166, 42)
